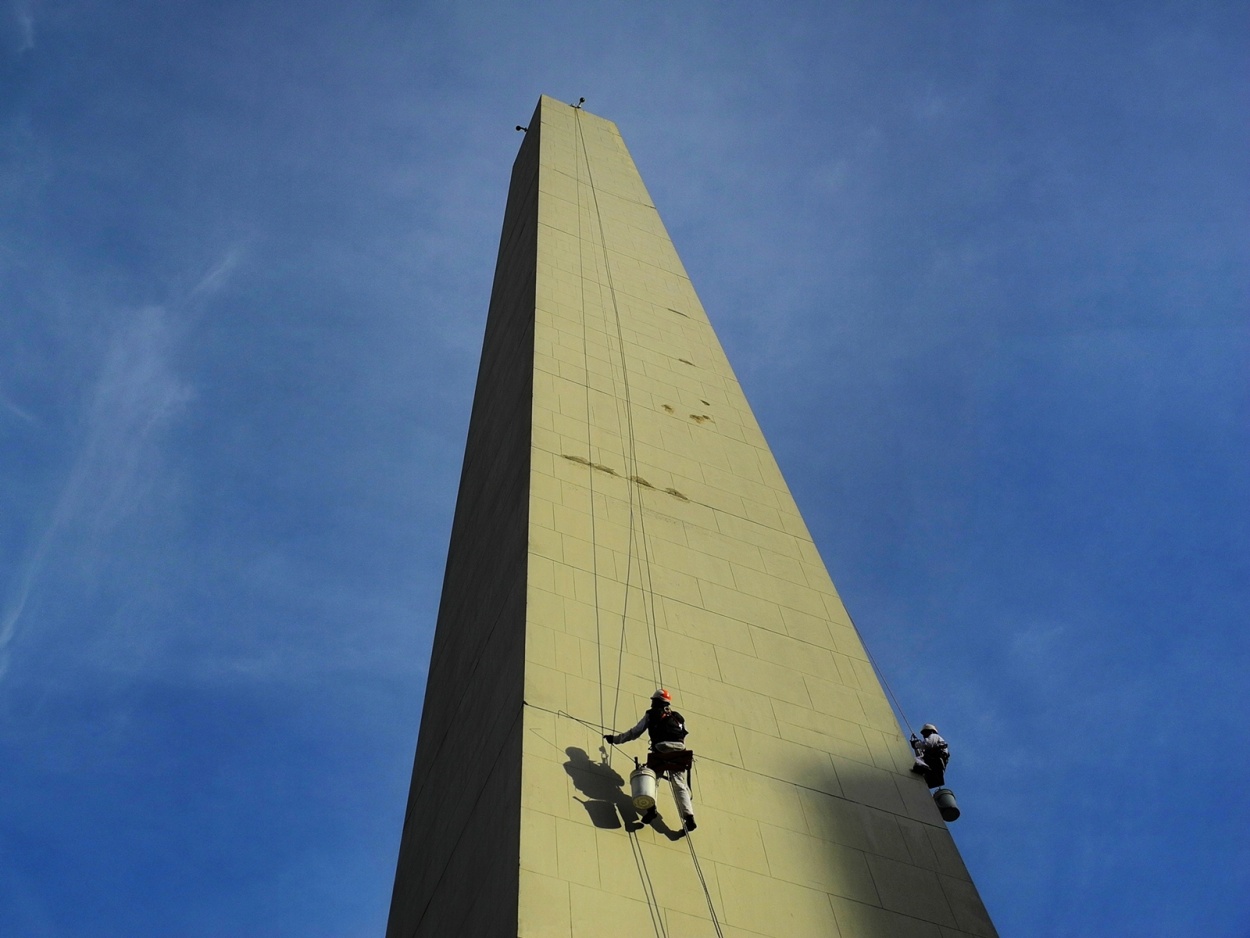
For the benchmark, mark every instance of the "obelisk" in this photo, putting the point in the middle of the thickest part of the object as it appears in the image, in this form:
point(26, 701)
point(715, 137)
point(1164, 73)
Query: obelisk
point(622, 526)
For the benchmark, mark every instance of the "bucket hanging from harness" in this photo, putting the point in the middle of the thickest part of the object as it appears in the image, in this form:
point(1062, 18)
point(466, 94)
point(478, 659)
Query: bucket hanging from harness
point(944, 798)
point(642, 787)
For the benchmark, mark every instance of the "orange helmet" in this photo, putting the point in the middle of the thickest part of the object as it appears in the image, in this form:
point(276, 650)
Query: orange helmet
point(662, 694)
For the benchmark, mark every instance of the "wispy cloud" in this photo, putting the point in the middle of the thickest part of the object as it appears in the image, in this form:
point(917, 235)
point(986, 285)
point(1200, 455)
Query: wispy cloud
point(216, 276)
point(17, 411)
point(24, 17)
point(137, 396)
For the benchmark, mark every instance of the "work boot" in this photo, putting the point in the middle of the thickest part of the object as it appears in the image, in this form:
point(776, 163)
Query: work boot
point(689, 822)
point(649, 815)
point(921, 767)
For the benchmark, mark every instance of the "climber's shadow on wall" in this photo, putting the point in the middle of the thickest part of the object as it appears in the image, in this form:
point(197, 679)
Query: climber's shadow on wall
point(606, 801)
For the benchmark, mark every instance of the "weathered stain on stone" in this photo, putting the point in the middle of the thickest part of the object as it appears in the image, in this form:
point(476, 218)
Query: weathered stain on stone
point(581, 461)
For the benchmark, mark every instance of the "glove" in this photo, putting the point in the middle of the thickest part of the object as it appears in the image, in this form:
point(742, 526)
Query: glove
point(607, 737)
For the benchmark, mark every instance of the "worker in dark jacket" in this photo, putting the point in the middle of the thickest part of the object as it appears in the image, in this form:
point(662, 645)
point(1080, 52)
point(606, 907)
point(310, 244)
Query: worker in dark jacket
point(667, 729)
point(932, 756)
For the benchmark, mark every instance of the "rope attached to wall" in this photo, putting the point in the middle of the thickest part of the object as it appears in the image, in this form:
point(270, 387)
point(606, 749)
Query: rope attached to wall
point(638, 541)
point(637, 538)
point(877, 670)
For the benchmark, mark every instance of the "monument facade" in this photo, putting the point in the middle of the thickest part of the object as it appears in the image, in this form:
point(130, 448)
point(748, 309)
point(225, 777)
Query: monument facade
point(622, 526)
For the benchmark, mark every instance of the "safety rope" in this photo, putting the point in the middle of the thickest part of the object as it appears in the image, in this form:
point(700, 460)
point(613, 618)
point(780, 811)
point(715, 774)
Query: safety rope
point(877, 670)
point(654, 908)
point(638, 545)
point(636, 846)
point(639, 537)
point(629, 565)
point(590, 454)
point(694, 857)
point(701, 758)
point(644, 561)
point(649, 606)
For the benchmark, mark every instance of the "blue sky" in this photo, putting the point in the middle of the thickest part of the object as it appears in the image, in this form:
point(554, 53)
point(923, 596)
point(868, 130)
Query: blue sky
point(982, 269)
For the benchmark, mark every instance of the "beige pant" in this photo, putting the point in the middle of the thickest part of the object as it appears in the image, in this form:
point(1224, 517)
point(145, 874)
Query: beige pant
point(681, 786)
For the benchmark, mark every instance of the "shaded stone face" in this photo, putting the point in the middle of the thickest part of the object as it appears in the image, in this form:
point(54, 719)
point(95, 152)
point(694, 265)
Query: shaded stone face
point(621, 526)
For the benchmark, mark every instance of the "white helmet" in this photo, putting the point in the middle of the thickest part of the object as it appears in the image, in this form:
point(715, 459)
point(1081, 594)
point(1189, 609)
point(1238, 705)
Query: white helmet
point(927, 729)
